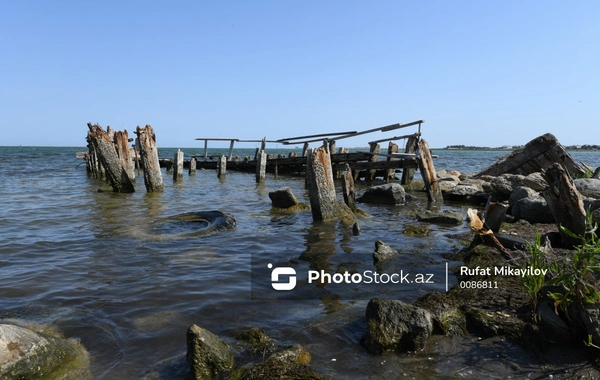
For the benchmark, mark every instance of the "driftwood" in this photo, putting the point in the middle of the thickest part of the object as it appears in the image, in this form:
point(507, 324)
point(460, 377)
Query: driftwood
point(146, 145)
point(477, 225)
point(107, 154)
point(427, 171)
point(321, 188)
point(565, 203)
point(535, 156)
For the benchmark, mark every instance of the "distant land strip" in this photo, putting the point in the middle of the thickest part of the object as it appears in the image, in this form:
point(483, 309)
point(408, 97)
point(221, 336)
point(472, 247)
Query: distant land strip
point(586, 147)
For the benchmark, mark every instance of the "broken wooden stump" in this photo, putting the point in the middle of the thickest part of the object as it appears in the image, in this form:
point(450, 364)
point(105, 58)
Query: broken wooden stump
point(121, 140)
point(146, 145)
point(107, 154)
point(93, 165)
point(222, 166)
point(192, 169)
point(261, 166)
point(375, 149)
point(477, 225)
point(565, 203)
point(427, 171)
point(348, 187)
point(535, 156)
point(178, 166)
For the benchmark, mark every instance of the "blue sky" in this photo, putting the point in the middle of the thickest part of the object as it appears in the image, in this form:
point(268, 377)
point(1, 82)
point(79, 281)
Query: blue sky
point(486, 72)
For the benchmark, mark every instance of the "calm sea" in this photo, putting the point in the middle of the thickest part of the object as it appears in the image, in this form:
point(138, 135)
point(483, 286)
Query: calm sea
point(88, 264)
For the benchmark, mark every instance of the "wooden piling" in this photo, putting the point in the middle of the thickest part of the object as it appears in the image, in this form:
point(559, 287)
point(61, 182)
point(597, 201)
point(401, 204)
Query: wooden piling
point(93, 164)
point(374, 148)
point(146, 140)
point(261, 166)
point(565, 203)
point(391, 173)
point(408, 174)
point(305, 150)
point(107, 154)
point(321, 188)
point(427, 171)
point(178, 166)
point(192, 169)
point(222, 166)
point(121, 140)
point(348, 187)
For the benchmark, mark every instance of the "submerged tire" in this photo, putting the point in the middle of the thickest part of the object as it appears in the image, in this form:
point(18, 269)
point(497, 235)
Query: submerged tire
point(193, 224)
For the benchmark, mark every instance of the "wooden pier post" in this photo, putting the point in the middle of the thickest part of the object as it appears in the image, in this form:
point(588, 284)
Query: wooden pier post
point(178, 166)
point(321, 188)
point(221, 166)
point(375, 148)
point(348, 187)
point(408, 174)
point(391, 173)
point(192, 169)
point(332, 147)
point(121, 140)
point(93, 164)
point(107, 154)
point(305, 150)
point(261, 166)
point(427, 171)
point(149, 158)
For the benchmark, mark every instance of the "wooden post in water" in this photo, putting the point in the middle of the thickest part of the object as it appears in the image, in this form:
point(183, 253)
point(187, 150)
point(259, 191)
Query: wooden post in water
point(107, 154)
point(261, 166)
point(321, 188)
point(121, 140)
point(408, 174)
point(192, 170)
point(375, 148)
point(146, 140)
point(305, 150)
point(348, 187)
point(339, 173)
point(565, 203)
point(391, 173)
point(221, 166)
point(427, 171)
point(93, 164)
point(178, 166)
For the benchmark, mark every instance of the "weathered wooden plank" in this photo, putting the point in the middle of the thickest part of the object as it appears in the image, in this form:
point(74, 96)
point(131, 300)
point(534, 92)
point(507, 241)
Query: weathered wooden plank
point(321, 188)
point(427, 171)
point(121, 140)
point(221, 166)
point(408, 174)
point(374, 149)
point(178, 165)
point(565, 203)
point(261, 166)
point(348, 187)
point(392, 149)
point(146, 140)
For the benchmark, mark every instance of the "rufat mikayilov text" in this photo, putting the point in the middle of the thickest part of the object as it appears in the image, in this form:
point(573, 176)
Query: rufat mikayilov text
point(504, 270)
point(369, 277)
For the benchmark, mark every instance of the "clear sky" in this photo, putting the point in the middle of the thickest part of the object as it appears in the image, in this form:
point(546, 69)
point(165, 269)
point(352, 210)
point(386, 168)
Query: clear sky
point(480, 72)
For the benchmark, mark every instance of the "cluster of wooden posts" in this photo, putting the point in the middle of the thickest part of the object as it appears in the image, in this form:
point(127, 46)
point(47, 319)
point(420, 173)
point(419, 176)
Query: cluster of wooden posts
point(110, 157)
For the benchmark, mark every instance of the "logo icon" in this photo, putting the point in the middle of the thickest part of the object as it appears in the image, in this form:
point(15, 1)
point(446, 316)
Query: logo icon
point(283, 271)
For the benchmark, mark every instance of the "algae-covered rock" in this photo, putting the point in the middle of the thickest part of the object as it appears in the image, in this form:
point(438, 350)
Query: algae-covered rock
point(257, 339)
point(440, 217)
point(390, 194)
point(383, 252)
point(207, 354)
point(396, 326)
point(283, 198)
point(25, 354)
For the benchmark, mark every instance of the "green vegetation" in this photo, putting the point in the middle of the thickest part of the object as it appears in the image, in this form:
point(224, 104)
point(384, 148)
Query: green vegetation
point(574, 275)
point(533, 284)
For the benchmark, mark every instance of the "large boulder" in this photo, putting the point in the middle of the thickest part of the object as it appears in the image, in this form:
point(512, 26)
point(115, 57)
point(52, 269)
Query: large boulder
point(383, 252)
point(520, 193)
point(440, 217)
point(390, 194)
point(463, 193)
point(506, 183)
point(533, 209)
point(396, 326)
point(536, 181)
point(207, 354)
point(25, 354)
point(588, 187)
point(283, 198)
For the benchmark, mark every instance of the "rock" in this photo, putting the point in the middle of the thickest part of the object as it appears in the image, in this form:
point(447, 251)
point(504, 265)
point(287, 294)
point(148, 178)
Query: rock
point(520, 193)
point(487, 187)
point(257, 339)
point(440, 217)
point(355, 229)
point(506, 183)
point(589, 317)
point(533, 209)
point(588, 187)
point(478, 183)
point(596, 173)
point(446, 185)
point(554, 325)
point(396, 326)
point(207, 354)
point(596, 216)
point(283, 198)
point(293, 354)
point(416, 230)
point(535, 181)
point(383, 252)
point(390, 193)
point(444, 173)
point(25, 354)
point(461, 193)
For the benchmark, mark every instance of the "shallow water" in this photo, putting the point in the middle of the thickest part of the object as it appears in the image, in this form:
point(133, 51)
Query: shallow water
point(92, 264)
